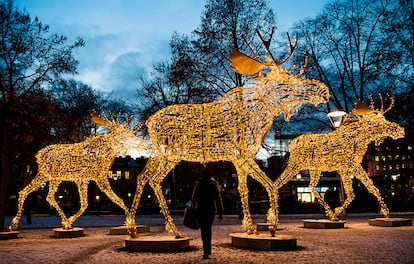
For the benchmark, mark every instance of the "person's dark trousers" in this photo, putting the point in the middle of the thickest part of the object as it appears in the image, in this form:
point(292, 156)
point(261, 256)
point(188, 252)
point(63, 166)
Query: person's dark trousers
point(205, 227)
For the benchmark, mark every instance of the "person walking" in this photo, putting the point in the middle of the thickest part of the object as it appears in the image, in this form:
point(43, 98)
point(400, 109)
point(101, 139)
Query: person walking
point(331, 197)
point(207, 200)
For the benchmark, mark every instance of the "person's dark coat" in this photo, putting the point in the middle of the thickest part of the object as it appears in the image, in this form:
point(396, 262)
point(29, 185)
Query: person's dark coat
point(207, 200)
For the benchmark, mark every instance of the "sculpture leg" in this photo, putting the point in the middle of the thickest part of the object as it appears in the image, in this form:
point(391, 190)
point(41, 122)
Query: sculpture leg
point(345, 177)
point(314, 180)
point(272, 214)
point(83, 196)
point(364, 178)
point(104, 185)
point(130, 218)
point(155, 183)
point(53, 187)
point(290, 171)
point(35, 184)
point(142, 179)
point(247, 222)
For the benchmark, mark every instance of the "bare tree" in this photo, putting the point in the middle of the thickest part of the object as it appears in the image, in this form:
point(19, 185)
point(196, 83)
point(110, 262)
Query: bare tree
point(199, 69)
point(399, 28)
point(77, 101)
point(30, 57)
point(350, 49)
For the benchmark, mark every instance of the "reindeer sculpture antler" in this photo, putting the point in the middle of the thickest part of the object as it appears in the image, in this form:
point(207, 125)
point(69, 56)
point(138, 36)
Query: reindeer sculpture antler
point(266, 44)
point(244, 64)
point(361, 108)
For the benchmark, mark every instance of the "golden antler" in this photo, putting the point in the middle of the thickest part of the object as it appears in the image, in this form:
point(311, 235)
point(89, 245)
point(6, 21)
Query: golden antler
point(390, 106)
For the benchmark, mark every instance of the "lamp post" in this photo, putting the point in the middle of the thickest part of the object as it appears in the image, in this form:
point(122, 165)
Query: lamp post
point(337, 117)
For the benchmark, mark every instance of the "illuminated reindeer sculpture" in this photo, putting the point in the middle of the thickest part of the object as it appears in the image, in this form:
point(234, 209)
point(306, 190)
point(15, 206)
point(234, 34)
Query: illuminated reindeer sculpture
point(229, 129)
point(342, 150)
point(81, 163)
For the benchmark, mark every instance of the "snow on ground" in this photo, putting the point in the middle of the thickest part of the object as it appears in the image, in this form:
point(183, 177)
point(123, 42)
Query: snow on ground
point(358, 242)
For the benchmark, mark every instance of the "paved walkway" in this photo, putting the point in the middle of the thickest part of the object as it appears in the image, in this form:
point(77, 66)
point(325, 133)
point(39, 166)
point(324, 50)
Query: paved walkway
point(52, 221)
point(358, 242)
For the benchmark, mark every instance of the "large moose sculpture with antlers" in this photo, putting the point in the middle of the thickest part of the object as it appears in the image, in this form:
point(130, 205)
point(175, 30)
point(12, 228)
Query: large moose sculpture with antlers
point(229, 129)
point(342, 150)
point(81, 163)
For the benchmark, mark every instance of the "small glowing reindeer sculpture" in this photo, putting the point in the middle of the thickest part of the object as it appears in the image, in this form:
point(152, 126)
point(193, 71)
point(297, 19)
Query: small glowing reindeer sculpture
point(81, 163)
point(342, 150)
point(229, 129)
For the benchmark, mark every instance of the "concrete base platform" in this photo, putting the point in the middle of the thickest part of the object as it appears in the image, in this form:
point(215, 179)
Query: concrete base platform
point(123, 230)
point(390, 222)
point(9, 235)
point(68, 233)
point(323, 224)
point(157, 243)
point(263, 242)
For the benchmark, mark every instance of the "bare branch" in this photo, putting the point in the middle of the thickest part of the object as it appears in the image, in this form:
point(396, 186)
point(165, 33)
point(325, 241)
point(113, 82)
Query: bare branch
point(266, 44)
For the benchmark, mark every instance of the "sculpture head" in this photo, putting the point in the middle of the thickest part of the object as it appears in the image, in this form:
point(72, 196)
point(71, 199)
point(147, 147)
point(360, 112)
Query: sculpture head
point(373, 121)
point(280, 89)
point(123, 139)
point(283, 90)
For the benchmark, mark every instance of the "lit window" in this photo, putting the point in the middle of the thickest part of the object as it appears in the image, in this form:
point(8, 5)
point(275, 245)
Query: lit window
point(110, 174)
point(116, 175)
point(409, 148)
point(376, 158)
point(377, 167)
point(127, 175)
point(305, 195)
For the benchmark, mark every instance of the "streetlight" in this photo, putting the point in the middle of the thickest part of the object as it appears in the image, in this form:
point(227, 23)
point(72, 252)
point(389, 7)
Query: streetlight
point(337, 117)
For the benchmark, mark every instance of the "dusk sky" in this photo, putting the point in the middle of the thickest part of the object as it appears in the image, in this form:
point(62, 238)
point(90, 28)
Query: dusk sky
point(124, 36)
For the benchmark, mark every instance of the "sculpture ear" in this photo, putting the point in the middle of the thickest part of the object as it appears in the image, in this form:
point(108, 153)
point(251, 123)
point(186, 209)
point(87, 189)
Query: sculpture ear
point(99, 121)
point(361, 108)
point(244, 64)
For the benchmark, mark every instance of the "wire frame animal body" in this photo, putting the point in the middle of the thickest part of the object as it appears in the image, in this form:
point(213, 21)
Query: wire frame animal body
point(229, 129)
point(341, 150)
point(81, 163)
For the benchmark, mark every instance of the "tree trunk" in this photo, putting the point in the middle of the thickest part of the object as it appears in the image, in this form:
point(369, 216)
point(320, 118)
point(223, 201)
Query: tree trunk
point(4, 175)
